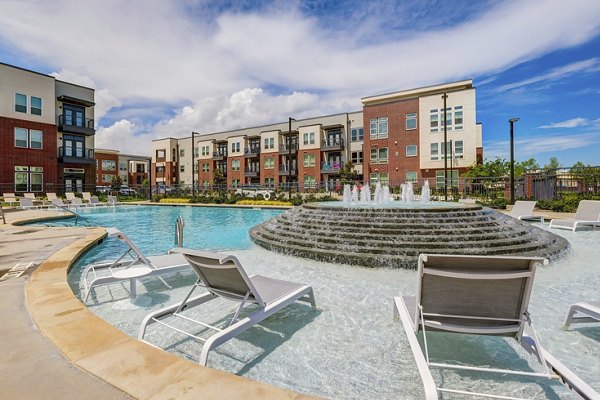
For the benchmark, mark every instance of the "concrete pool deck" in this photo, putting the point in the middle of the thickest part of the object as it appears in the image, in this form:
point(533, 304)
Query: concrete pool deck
point(56, 348)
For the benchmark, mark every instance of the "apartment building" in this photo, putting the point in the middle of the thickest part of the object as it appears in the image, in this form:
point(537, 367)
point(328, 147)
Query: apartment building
point(132, 169)
point(403, 141)
point(46, 132)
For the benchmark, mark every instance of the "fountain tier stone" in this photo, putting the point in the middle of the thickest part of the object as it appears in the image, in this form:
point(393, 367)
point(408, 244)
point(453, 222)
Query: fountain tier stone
point(380, 236)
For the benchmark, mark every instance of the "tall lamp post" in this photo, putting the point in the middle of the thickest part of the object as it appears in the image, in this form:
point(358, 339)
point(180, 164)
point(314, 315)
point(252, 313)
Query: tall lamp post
point(290, 157)
point(194, 164)
point(445, 97)
point(512, 160)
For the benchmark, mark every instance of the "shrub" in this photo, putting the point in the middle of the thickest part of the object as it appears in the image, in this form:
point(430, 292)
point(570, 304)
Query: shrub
point(174, 200)
point(264, 202)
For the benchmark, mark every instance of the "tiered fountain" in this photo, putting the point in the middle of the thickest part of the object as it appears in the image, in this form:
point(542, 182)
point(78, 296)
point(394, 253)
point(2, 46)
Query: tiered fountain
point(380, 231)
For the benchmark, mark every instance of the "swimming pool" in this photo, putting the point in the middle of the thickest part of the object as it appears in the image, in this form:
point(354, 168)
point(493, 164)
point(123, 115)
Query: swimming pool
point(351, 347)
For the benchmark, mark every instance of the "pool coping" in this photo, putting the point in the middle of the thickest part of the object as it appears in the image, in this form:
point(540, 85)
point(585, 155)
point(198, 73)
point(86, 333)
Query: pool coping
point(134, 367)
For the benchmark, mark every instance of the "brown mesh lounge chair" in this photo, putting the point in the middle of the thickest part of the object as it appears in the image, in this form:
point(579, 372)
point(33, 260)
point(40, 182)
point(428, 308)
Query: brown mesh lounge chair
point(483, 295)
point(588, 214)
point(224, 277)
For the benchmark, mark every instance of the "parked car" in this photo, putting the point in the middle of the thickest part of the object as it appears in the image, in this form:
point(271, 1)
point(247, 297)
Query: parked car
point(127, 191)
point(255, 192)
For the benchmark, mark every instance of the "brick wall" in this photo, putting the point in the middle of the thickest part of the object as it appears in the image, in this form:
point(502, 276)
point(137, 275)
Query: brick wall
point(309, 171)
point(11, 156)
point(108, 157)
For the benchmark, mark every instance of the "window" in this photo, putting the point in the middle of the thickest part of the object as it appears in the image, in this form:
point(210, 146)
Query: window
point(357, 157)
point(205, 167)
point(309, 138)
point(411, 150)
point(269, 182)
point(29, 179)
point(411, 121)
point(434, 151)
point(106, 178)
point(379, 127)
point(182, 168)
point(234, 183)
point(269, 163)
point(196, 152)
point(205, 150)
point(309, 160)
point(36, 106)
point(235, 147)
point(357, 134)
point(269, 143)
point(433, 120)
point(452, 178)
point(109, 165)
point(458, 149)
point(451, 123)
point(181, 152)
point(21, 138)
point(122, 167)
point(411, 176)
point(235, 165)
point(446, 150)
point(20, 103)
point(74, 115)
point(309, 182)
point(382, 177)
point(458, 117)
point(379, 156)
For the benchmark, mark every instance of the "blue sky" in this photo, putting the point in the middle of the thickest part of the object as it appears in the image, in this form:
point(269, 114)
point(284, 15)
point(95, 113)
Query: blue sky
point(165, 68)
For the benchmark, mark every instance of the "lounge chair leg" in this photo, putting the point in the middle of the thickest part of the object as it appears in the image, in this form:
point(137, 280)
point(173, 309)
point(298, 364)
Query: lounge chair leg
point(132, 288)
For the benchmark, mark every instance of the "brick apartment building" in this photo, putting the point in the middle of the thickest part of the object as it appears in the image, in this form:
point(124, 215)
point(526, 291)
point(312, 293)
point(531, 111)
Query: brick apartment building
point(132, 169)
point(397, 137)
point(46, 133)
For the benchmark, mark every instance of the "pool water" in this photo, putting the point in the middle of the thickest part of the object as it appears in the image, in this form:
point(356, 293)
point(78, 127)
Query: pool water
point(351, 347)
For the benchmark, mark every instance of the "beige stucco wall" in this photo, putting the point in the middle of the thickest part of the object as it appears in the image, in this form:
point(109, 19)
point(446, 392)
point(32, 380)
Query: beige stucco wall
point(275, 135)
point(316, 129)
point(236, 139)
point(205, 143)
point(15, 80)
point(470, 135)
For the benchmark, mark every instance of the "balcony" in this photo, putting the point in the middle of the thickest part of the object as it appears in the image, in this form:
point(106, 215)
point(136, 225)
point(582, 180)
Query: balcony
point(219, 155)
point(283, 170)
point(252, 171)
point(250, 152)
point(331, 169)
point(82, 126)
point(284, 148)
point(332, 144)
point(70, 155)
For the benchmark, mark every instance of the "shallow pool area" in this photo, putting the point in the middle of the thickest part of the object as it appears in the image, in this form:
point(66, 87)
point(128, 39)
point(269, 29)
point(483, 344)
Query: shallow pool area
point(350, 347)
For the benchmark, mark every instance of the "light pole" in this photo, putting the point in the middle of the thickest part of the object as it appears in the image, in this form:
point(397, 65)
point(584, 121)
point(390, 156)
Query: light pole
point(445, 97)
point(193, 164)
point(512, 160)
point(290, 157)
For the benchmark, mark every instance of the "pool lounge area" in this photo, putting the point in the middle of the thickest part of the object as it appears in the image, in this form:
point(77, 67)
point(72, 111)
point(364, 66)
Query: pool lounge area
point(351, 347)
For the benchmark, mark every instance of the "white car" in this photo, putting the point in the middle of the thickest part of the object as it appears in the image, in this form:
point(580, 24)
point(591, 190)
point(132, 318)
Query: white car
point(252, 193)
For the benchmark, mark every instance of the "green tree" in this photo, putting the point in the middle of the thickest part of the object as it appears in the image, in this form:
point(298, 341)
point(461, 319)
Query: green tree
point(527, 165)
point(116, 182)
point(348, 174)
point(489, 169)
point(552, 163)
point(219, 181)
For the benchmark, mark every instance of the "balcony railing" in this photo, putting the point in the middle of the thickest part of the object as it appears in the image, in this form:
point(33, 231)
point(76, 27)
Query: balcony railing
point(284, 148)
point(219, 155)
point(332, 144)
point(251, 152)
point(333, 168)
point(84, 126)
point(73, 155)
point(283, 170)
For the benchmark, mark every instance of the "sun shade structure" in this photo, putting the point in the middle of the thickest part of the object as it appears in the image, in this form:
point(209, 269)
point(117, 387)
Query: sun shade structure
point(131, 265)
point(479, 295)
point(588, 214)
point(224, 277)
point(523, 210)
point(583, 313)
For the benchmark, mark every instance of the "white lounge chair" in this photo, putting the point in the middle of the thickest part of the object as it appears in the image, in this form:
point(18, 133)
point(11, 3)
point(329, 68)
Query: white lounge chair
point(58, 202)
point(224, 277)
point(27, 204)
point(131, 269)
point(523, 210)
point(95, 202)
point(70, 197)
point(483, 295)
point(113, 201)
point(583, 313)
point(77, 202)
point(10, 198)
point(467, 201)
point(588, 214)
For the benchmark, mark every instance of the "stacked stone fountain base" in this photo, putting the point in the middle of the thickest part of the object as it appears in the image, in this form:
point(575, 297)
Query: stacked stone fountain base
point(395, 236)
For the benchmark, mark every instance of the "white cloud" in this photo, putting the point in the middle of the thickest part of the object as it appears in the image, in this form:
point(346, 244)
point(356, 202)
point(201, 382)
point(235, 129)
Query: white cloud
point(200, 64)
point(122, 136)
point(555, 74)
point(570, 123)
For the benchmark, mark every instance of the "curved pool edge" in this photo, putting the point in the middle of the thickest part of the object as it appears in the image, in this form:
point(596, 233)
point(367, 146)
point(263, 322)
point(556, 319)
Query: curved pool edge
point(95, 346)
